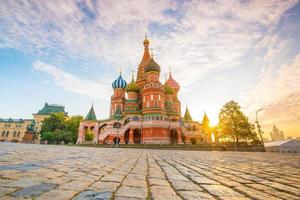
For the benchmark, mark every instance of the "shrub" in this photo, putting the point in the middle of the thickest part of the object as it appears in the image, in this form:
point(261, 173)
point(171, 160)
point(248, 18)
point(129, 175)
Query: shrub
point(89, 136)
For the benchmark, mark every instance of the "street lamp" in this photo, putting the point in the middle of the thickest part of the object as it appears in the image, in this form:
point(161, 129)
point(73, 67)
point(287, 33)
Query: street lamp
point(259, 131)
point(118, 117)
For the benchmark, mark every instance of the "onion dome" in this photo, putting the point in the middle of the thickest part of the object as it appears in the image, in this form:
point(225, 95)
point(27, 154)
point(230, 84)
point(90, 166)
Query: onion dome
point(119, 83)
point(168, 89)
point(172, 83)
point(132, 86)
point(152, 66)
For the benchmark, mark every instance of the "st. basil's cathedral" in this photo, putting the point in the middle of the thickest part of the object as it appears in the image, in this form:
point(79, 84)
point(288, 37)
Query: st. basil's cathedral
point(151, 113)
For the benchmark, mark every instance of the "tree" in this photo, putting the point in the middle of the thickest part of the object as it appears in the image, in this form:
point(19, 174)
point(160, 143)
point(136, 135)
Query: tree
point(72, 126)
point(58, 128)
point(54, 122)
point(234, 124)
point(89, 135)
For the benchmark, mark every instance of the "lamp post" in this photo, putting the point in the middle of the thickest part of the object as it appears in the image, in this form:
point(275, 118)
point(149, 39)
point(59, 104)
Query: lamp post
point(118, 116)
point(259, 131)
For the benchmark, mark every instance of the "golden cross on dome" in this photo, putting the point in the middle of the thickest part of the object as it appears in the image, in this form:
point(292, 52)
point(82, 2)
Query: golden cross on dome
point(151, 52)
point(120, 69)
point(166, 77)
point(132, 73)
point(146, 35)
point(170, 71)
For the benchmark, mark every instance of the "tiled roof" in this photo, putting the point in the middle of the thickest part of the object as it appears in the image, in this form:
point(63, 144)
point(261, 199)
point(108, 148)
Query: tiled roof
point(51, 108)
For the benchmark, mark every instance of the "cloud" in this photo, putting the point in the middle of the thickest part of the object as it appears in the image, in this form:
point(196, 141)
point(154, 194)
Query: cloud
point(278, 92)
point(190, 36)
point(72, 83)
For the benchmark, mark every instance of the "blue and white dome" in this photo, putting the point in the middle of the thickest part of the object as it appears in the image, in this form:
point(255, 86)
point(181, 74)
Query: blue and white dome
point(119, 83)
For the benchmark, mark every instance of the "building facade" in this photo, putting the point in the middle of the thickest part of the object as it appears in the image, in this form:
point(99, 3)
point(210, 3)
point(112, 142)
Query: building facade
point(13, 130)
point(27, 130)
point(144, 111)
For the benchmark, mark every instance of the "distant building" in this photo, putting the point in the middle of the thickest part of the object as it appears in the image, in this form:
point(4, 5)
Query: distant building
point(45, 112)
point(13, 130)
point(284, 146)
point(276, 134)
point(27, 130)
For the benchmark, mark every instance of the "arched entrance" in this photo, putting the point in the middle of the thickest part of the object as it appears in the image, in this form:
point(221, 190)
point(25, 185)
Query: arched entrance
point(116, 140)
point(173, 136)
point(137, 136)
point(126, 136)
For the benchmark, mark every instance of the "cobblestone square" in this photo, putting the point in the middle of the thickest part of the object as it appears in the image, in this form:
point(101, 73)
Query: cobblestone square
point(59, 172)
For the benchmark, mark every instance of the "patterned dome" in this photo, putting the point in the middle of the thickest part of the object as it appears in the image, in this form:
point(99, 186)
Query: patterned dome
point(152, 66)
point(132, 87)
point(168, 89)
point(173, 84)
point(119, 83)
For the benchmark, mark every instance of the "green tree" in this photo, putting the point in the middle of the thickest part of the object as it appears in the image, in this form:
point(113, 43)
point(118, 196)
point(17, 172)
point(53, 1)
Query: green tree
point(58, 128)
point(54, 122)
point(72, 126)
point(89, 135)
point(234, 124)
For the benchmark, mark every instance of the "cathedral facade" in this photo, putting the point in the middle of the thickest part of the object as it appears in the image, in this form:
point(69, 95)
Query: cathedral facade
point(143, 111)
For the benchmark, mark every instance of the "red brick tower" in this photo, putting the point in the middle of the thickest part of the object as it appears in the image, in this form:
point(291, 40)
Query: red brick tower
point(118, 98)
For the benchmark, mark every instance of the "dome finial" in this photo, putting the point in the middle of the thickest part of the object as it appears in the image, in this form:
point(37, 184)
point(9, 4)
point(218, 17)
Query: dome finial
point(132, 74)
point(170, 73)
point(151, 53)
point(120, 70)
point(146, 41)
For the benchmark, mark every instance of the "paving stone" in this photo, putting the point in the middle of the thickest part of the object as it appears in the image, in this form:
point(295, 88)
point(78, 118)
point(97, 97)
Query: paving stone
point(184, 185)
point(195, 195)
point(57, 195)
point(221, 191)
point(75, 185)
point(162, 192)
point(25, 182)
point(92, 195)
point(132, 192)
point(34, 191)
point(134, 183)
point(5, 191)
point(104, 186)
point(156, 181)
point(140, 174)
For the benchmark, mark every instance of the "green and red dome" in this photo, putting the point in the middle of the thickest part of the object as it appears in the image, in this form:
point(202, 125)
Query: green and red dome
point(152, 66)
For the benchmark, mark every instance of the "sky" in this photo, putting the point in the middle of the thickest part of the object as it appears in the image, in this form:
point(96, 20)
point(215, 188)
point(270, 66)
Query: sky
point(69, 52)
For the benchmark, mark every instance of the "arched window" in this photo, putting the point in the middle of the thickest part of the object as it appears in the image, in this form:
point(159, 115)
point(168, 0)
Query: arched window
point(19, 134)
point(3, 133)
point(15, 133)
point(155, 104)
point(7, 133)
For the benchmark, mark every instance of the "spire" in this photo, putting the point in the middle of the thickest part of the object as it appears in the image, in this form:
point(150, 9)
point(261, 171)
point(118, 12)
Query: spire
point(205, 119)
point(132, 74)
point(145, 58)
point(91, 115)
point(187, 116)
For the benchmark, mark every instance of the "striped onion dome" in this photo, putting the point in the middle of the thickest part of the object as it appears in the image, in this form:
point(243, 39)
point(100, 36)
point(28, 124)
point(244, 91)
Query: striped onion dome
point(173, 84)
point(151, 66)
point(132, 86)
point(168, 89)
point(119, 83)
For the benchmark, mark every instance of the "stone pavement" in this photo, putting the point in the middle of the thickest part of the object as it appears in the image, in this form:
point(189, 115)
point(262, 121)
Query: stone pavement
point(60, 172)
